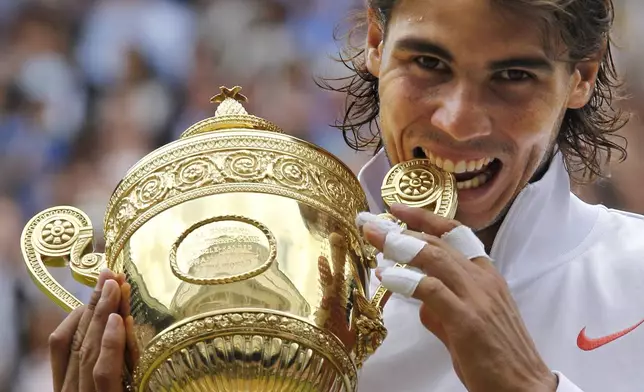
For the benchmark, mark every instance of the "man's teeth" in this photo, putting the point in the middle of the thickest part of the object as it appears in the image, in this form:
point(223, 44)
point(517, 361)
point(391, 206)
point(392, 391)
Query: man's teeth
point(458, 166)
point(473, 183)
point(462, 167)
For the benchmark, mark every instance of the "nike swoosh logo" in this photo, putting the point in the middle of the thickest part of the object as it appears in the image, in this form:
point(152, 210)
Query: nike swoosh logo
point(587, 344)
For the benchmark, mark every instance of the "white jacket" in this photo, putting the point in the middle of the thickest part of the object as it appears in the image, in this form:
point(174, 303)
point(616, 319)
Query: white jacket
point(569, 266)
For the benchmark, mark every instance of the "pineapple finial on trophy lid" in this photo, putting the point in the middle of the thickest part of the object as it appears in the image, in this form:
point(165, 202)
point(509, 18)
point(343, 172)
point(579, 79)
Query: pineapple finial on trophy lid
point(230, 115)
point(230, 100)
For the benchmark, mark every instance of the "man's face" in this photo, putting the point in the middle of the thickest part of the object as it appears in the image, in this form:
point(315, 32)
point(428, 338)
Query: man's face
point(471, 87)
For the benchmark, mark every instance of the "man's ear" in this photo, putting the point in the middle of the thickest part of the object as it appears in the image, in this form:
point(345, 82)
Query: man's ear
point(373, 51)
point(583, 83)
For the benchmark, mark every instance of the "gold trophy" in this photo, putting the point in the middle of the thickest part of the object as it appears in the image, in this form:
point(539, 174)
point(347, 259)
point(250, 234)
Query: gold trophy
point(247, 270)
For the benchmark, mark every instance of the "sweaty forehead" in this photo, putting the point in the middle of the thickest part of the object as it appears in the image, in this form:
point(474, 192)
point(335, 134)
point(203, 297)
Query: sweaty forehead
point(467, 27)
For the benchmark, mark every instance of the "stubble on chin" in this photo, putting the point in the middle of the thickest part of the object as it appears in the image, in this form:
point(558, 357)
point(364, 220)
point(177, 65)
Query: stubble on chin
point(538, 173)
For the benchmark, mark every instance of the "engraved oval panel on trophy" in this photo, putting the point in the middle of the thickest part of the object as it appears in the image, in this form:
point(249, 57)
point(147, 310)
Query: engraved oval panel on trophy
point(223, 250)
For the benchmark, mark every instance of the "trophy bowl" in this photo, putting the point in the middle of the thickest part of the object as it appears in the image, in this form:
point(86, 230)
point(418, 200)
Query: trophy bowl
point(247, 271)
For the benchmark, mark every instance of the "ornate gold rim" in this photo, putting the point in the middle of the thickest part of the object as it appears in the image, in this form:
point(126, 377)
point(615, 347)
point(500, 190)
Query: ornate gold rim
point(230, 279)
point(228, 142)
point(162, 156)
point(245, 322)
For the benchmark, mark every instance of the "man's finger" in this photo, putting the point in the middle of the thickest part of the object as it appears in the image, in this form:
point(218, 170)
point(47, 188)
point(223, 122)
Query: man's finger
point(403, 281)
point(60, 343)
point(90, 350)
point(108, 371)
point(375, 233)
point(376, 236)
point(431, 321)
point(459, 241)
point(432, 260)
point(456, 253)
point(124, 311)
point(485, 263)
point(89, 309)
point(124, 307)
point(120, 278)
point(437, 297)
point(423, 220)
point(132, 350)
point(72, 374)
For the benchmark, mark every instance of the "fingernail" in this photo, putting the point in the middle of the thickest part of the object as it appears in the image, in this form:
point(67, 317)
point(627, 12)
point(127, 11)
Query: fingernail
point(102, 277)
point(373, 228)
point(113, 321)
point(401, 280)
point(107, 289)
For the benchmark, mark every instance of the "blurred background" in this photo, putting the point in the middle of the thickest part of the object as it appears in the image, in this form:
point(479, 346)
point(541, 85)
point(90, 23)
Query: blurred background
point(88, 87)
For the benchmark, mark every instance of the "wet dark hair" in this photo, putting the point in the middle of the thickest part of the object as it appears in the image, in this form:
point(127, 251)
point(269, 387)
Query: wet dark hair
point(587, 136)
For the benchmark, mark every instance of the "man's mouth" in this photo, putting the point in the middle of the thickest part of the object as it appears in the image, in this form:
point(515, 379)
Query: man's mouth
point(469, 174)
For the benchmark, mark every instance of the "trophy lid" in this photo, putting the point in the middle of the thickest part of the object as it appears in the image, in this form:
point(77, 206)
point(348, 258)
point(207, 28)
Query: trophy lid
point(230, 114)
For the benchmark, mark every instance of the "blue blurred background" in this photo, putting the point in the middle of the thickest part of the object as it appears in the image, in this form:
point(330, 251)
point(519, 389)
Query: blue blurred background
point(88, 87)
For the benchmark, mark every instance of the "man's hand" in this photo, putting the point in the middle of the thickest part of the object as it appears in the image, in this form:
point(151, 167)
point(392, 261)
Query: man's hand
point(87, 349)
point(468, 306)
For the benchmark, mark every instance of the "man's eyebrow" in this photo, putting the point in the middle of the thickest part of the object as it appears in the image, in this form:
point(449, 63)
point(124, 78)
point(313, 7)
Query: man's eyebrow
point(421, 45)
point(531, 62)
point(425, 46)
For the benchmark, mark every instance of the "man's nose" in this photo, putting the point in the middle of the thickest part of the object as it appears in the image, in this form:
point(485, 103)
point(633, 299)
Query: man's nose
point(463, 114)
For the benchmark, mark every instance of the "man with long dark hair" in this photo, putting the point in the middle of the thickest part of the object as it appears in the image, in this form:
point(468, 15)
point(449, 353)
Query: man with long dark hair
point(514, 97)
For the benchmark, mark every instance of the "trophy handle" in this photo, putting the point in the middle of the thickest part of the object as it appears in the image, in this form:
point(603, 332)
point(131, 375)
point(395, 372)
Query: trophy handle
point(370, 327)
point(382, 295)
point(61, 237)
point(368, 318)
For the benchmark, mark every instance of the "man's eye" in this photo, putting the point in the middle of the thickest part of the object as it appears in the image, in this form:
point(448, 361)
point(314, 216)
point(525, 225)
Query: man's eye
point(514, 75)
point(432, 63)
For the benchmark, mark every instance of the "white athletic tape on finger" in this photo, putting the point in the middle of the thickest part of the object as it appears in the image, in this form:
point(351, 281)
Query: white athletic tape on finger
point(384, 225)
point(402, 248)
point(403, 281)
point(463, 239)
